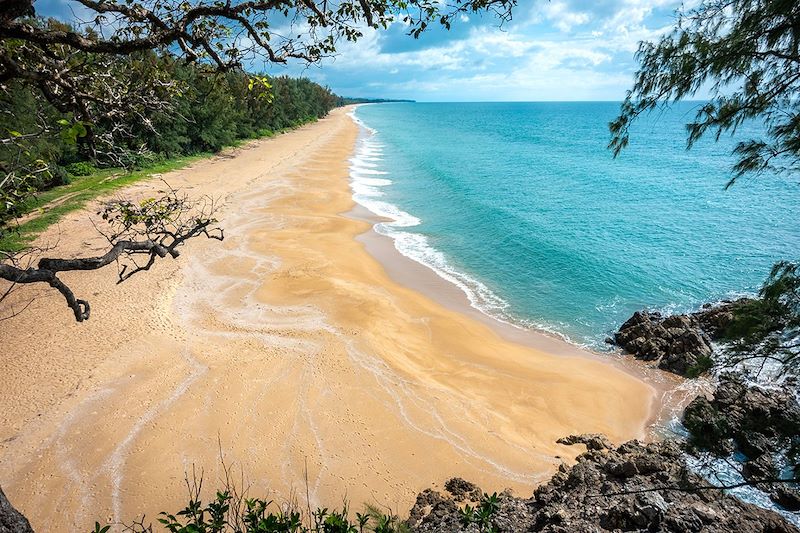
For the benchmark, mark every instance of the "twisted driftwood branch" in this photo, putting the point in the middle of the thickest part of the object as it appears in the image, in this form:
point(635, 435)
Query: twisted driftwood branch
point(47, 269)
point(154, 228)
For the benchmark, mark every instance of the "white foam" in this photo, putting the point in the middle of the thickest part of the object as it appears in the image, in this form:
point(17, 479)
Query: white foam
point(415, 246)
point(725, 472)
point(352, 115)
point(368, 171)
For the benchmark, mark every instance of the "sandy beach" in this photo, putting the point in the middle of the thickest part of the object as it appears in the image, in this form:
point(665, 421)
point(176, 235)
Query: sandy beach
point(288, 349)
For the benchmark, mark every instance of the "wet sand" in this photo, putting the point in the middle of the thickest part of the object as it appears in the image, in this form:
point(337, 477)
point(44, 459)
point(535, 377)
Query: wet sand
point(289, 350)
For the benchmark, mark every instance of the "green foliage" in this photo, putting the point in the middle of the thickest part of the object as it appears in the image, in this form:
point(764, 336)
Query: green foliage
point(204, 112)
point(768, 328)
point(76, 194)
point(80, 168)
point(99, 529)
point(229, 512)
point(704, 363)
point(195, 518)
point(745, 53)
point(71, 132)
point(467, 515)
point(481, 514)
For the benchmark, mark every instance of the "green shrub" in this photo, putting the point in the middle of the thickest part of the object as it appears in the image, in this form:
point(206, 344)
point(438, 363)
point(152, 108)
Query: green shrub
point(229, 512)
point(80, 168)
point(481, 514)
point(704, 363)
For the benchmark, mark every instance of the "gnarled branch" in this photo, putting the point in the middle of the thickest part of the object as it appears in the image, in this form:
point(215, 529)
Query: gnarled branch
point(154, 228)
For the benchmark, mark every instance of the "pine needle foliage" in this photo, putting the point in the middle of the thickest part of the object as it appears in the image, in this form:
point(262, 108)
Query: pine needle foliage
point(745, 54)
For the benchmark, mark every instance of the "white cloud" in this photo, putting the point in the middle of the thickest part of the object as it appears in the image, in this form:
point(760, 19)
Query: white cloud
point(562, 17)
point(564, 49)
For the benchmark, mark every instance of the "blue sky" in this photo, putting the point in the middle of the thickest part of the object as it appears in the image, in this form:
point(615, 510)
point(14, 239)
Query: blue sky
point(551, 50)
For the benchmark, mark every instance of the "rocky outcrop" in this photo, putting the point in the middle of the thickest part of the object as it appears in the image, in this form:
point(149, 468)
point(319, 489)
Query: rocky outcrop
point(762, 424)
point(592, 441)
point(462, 490)
point(11, 520)
point(634, 487)
point(681, 344)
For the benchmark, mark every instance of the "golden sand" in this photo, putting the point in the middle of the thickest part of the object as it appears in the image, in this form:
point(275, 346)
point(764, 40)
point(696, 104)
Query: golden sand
point(288, 349)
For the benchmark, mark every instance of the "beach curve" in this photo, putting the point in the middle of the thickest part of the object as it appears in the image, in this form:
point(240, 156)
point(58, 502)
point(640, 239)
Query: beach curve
point(288, 350)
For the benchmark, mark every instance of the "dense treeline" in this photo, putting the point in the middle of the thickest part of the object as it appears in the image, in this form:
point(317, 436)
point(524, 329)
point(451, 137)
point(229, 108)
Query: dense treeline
point(346, 100)
point(198, 110)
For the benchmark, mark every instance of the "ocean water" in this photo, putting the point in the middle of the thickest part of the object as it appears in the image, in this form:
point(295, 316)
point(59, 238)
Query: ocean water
point(523, 207)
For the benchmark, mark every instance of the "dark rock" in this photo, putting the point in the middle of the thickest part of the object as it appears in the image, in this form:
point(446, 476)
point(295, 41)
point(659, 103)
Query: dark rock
point(709, 428)
point(677, 342)
point(753, 444)
point(681, 344)
point(11, 520)
point(433, 512)
point(591, 496)
point(787, 497)
point(761, 423)
point(759, 469)
point(623, 469)
point(462, 490)
point(757, 420)
point(593, 441)
point(715, 319)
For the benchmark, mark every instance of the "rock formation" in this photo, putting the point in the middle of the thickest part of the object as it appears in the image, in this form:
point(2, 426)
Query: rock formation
point(635, 487)
point(11, 520)
point(681, 344)
point(763, 424)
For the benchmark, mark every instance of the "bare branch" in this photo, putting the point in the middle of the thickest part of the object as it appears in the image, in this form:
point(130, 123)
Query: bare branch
point(154, 227)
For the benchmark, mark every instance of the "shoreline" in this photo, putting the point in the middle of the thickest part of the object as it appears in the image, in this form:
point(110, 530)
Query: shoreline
point(419, 277)
point(409, 272)
point(288, 350)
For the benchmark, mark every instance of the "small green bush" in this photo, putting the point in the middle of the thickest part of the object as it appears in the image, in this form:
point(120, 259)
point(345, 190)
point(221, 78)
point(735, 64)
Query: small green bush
point(704, 363)
point(81, 168)
point(230, 512)
point(481, 514)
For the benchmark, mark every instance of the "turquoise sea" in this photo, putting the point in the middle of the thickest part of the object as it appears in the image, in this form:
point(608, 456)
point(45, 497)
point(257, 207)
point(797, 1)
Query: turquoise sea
point(523, 207)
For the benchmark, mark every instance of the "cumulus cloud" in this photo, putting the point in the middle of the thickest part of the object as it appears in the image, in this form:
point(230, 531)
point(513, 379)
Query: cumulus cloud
point(556, 50)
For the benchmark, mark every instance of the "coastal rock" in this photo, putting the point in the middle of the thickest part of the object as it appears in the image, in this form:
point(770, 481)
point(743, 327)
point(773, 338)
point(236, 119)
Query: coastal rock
point(11, 520)
point(787, 497)
point(593, 441)
point(613, 489)
point(763, 467)
point(756, 419)
point(677, 342)
point(715, 318)
point(463, 490)
point(681, 344)
point(761, 423)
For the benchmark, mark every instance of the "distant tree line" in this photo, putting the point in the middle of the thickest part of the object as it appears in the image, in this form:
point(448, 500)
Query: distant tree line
point(134, 80)
point(190, 109)
point(348, 100)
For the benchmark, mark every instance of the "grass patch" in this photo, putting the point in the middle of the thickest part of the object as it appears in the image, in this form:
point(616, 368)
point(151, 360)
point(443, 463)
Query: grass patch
point(40, 214)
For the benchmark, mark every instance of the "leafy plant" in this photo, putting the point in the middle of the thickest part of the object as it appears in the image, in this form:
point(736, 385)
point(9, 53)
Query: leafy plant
point(467, 515)
point(231, 512)
point(80, 168)
point(482, 514)
point(767, 329)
